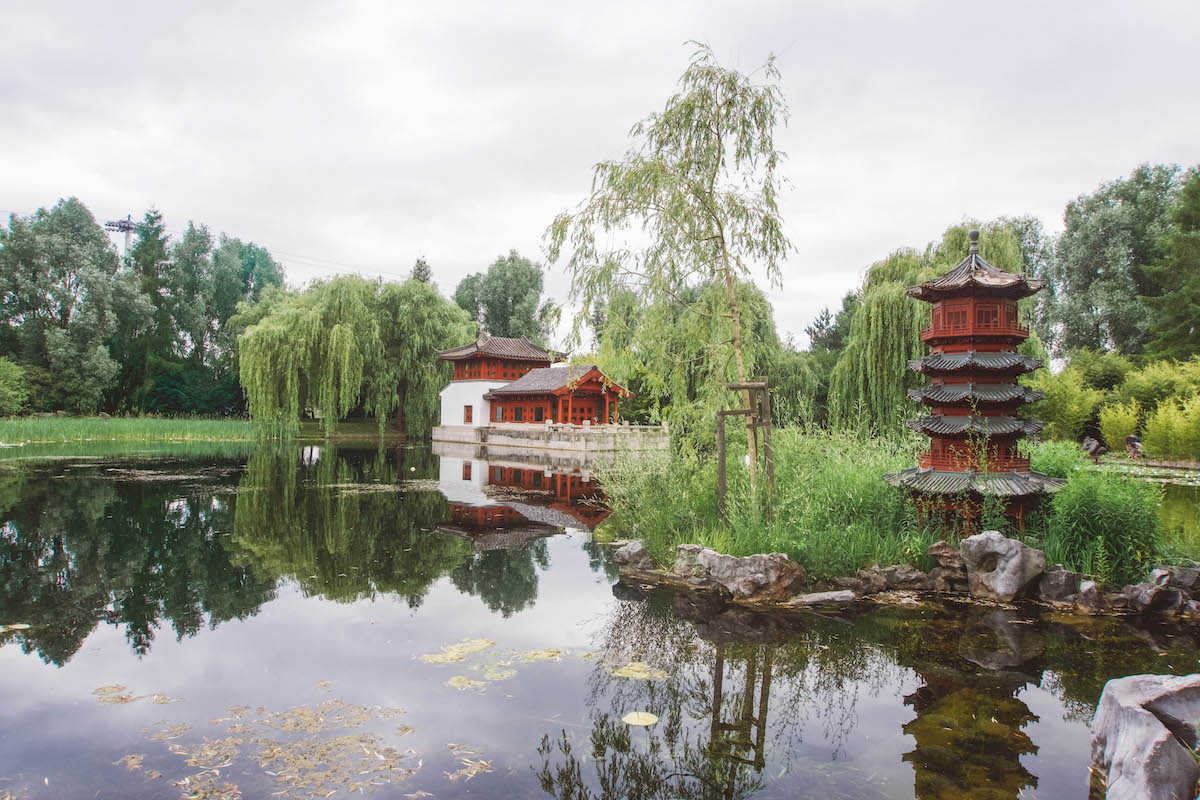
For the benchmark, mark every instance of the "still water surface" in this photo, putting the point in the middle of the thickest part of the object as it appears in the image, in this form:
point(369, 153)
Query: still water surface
point(296, 622)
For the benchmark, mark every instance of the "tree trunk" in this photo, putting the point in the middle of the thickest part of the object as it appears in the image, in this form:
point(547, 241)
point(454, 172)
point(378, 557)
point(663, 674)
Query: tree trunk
point(397, 423)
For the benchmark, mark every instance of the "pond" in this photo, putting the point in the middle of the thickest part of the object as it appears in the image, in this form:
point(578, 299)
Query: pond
point(224, 622)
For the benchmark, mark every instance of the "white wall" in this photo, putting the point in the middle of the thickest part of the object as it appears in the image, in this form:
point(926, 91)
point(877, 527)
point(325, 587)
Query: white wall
point(457, 490)
point(463, 393)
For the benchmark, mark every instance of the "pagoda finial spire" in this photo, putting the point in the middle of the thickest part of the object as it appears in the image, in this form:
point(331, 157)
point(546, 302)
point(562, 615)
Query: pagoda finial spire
point(974, 237)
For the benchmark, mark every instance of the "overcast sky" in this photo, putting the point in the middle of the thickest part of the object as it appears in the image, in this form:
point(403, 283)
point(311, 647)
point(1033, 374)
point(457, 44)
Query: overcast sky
point(353, 136)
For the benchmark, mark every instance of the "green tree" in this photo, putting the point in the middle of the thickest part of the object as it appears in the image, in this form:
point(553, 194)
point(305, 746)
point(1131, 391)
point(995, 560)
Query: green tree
point(693, 202)
point(348, 343)
point(507, 299)
point(1103, 270)
point(14, 391)
point(868, 385)
point(421, 271)
point(1175, 329)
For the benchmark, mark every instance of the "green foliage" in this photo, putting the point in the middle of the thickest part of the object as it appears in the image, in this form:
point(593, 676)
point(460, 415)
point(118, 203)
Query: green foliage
point(1101, 370)
point(1103, 269)
point(868, 385)
point(14, 392)
point(421, 271)
point(124, 429)
point(1173, 430)
point(1119, 421)
point(1105, 525)
point(348, 343)
point(1160, 380)
point(1066, 405)
point(834, 514)
point(506, 300)
point(1056, 459)
point(1176, 334)
point(691, 206)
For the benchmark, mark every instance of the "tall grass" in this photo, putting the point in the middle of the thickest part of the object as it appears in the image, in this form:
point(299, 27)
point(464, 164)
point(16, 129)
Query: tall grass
point(833, 513)
point(1105, 525)
point(41, 430)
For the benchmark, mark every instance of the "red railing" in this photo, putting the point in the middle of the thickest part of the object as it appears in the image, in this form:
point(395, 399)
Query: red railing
point(961, 462)
point(1000, 329)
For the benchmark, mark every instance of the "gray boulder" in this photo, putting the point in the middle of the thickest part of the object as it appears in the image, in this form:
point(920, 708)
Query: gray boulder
point(1152, 598)
point(1089, 599)
point(634, 555)
point(822, 598)
point(999, 568)
point(1059, 585)
point(1143, 741)
point(1186, 579)
point(948, 557)
point(897, 576)
point(687, 561)
point(764, 576)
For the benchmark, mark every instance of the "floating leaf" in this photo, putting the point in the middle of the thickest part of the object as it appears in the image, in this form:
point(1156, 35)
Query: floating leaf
point(16, 626)
point(132, 761)
point(106, 690)
point(453, 653)
point(640, 671)
point(493, 672)
point(323, 685)
point(639, 718)
point(461, 682)
point(162, 699)
point(118, 698)
point(547, 654)
point(469, 770)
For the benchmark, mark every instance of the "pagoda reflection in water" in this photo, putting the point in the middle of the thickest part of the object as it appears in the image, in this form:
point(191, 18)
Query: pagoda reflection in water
point(501, 502)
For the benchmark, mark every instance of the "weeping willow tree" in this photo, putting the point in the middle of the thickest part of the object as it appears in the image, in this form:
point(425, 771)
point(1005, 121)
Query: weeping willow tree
point(692, 203)
point(868, 384)
point(677, 352)
point(347, 344)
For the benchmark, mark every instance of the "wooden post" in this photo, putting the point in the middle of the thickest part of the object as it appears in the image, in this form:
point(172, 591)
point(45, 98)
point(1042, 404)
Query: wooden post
point(571, 407)
point(606, 418)
point(721, 464)
point(617, 409)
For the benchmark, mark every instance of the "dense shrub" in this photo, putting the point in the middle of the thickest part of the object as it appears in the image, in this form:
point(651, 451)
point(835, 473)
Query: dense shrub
point(1067, 403)
point(1117, 421)
point(1173, 430)
point(1106, 525)
point(14, 393)
point(1056, 459)
point(1160, 380)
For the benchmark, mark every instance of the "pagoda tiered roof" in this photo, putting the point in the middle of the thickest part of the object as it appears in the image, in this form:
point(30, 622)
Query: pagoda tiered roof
point(554, 380)
point(957, 425)
point(979, 392)
point(517, 349)
point(995, 484)
point(974, 274)
point(975, 361)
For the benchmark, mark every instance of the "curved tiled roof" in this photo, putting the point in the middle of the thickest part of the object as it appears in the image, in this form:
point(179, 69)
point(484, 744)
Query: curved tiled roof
point(997, 484)
point(973, 360)
point(548, 379)
point(988, 426)
point(981, 392)
point(520, 349)
point(974, 273)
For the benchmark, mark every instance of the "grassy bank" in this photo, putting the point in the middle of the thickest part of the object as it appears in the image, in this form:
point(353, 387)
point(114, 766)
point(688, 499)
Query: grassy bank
point(47, 430)
point(835, 515)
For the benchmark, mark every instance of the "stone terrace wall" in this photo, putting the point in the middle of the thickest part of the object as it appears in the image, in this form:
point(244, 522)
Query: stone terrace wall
point(577, 438)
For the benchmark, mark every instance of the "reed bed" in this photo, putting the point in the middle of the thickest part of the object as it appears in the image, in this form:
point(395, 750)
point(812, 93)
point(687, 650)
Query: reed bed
point(47, 430)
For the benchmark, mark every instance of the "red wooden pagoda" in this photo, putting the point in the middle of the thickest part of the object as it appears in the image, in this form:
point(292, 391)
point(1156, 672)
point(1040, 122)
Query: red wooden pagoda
point(973, 396)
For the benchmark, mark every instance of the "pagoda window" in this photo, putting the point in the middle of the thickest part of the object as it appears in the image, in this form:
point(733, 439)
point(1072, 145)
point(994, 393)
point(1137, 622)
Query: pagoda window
point(956, 317)
point(987, 317)
point(1010, 314)
point(539, 413)
point(519, 414)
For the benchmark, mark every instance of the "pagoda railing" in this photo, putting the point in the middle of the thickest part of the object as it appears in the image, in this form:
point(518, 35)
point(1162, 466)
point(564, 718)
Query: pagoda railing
point(962, 462)
point(976, 329)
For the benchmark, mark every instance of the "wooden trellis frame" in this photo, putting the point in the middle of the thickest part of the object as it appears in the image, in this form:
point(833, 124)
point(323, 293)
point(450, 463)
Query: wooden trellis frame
point(759, 413)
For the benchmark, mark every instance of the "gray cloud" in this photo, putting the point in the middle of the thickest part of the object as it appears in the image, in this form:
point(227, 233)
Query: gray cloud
point(353, 136)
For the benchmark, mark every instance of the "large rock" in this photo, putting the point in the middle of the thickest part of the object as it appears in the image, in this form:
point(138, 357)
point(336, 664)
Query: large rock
point(1089, 599)
point(1185, 579)
point(948, 557)
point(999, 568)
point(634, 555)
point(822, 598)
point(1152, 598)
point(687, 561)
point(764, 576)
point(1143, 738)
point(897, 576)
point(1059, 585)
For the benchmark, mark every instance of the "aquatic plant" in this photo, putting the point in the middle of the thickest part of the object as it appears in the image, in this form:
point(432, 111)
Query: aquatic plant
point(22, 430)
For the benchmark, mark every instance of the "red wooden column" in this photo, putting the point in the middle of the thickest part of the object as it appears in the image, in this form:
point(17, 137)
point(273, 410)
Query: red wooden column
point(606, 418)
point(570, 406)
point(617, 409)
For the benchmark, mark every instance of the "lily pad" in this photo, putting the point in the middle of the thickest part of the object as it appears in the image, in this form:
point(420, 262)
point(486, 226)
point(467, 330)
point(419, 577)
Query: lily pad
point(639, 718)
point(640, 671)
point(107, 690)
point(453, 653)
point(546, 654)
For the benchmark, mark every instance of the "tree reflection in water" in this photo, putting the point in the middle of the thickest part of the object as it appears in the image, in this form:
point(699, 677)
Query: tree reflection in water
point(113, 545)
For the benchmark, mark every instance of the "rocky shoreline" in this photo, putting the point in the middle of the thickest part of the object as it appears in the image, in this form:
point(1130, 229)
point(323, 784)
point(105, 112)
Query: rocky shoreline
point(988, 566)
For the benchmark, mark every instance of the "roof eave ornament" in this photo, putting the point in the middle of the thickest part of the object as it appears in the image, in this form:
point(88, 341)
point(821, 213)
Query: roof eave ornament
point(973, 235)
